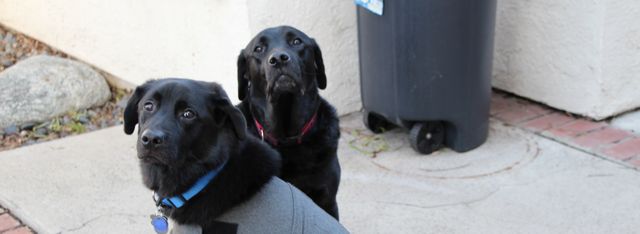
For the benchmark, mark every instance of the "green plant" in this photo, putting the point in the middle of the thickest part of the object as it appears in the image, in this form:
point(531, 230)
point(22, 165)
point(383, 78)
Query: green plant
point(119, 94)
point(55, 125)
point(77, 127)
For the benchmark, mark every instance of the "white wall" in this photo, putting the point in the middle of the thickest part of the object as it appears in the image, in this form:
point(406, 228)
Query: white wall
point(582, 56)
point(141, 39)
point(621, 56)
point(199, 39)
point(576, 55)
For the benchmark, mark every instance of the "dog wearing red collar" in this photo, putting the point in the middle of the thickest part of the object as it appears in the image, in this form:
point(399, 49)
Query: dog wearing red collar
point(279, 74)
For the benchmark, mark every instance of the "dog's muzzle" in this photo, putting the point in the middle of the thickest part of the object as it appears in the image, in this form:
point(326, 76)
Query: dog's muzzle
point(285, 83)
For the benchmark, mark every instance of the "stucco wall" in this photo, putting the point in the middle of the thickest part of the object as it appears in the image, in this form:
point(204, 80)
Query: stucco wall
point(579, 56)
point(200, 39)
point(141, 39)
point(621, 56)
point(576, 55)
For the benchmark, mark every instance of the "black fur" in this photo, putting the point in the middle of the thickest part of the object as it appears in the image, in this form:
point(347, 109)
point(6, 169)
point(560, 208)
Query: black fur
point(283, 96)
point(192, 147)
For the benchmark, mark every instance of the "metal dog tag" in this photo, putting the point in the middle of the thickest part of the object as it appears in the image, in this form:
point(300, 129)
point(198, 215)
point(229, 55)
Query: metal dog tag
point(159, 223)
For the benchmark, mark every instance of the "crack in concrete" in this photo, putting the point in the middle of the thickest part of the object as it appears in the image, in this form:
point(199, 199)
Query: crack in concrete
point(85, 223)
point(520, 163)
point(446, 169)
point(465, 203)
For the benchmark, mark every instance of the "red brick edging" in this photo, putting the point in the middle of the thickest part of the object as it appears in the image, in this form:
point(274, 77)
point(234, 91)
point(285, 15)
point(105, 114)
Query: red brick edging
point(594, 137)
point(11, 225)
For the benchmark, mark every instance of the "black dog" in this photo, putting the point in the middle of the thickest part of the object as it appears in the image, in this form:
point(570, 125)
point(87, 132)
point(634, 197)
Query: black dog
point(279, 73)
point(207, 176)
point(186, 129)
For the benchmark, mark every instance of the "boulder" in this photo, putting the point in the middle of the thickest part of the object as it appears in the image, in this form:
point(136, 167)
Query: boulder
point(42, 87)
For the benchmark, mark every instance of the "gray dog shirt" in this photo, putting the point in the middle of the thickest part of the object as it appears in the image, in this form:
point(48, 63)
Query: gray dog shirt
point(278, 207)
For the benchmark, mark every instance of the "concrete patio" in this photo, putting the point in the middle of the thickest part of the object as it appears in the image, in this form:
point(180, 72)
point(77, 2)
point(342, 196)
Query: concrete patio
point(517, 182)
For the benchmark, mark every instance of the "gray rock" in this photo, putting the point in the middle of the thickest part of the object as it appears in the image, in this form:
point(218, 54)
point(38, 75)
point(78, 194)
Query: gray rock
point(41, 131)
point(42, 87)
point(92, 113)
point(27, 126)
point(10, 130)
point(83, 119)
point(6, 61)
point(9, 40)
point(66, 120)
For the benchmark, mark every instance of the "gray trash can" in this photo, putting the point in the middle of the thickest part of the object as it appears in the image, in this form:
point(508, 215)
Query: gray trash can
point(425, 65)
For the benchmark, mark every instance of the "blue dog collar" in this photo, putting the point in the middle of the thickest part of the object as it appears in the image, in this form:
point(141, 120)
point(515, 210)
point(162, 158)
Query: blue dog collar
point(179, 200)
point(159, 221)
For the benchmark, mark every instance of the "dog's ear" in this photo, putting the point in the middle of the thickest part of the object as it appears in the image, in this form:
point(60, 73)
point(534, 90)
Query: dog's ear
point(320, 75)
point(222, 110)
point(131, 111)
point(243, 80)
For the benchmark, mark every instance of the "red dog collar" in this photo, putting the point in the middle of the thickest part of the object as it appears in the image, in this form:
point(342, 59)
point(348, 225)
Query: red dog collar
point(274, 141)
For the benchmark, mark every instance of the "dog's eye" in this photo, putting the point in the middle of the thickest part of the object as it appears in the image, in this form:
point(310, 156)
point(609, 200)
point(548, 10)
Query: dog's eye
point(148, 106)
point(296, 41)
point(258, 49)
point(188, 114)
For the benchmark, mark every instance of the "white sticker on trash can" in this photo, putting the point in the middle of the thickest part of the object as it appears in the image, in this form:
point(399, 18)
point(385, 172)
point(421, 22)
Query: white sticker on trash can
point(374, 6)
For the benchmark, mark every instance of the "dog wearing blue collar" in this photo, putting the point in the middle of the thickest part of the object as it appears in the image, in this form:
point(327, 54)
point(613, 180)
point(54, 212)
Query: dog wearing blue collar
point(206, 175)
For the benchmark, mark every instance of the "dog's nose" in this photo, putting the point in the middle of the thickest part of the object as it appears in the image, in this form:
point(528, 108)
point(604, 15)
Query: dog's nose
point(280, 57)
point(151, 138)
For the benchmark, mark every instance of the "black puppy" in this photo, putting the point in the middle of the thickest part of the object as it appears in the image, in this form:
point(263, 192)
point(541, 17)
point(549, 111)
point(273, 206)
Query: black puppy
point(279, 73)
point(186, 130)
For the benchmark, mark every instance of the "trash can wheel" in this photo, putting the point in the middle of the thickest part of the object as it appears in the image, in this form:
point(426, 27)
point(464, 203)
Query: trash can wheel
point(376, 123)
point(427, 137)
